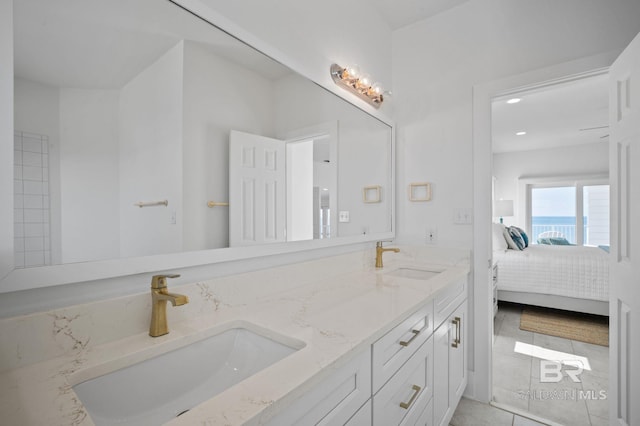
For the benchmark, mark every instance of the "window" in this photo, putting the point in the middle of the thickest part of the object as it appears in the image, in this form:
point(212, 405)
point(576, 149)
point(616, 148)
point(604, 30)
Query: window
point(596, 215)
point(553, 213)
point(576, 212)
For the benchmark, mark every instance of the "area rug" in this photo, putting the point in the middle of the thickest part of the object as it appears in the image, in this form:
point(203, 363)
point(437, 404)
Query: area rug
point(570, 325)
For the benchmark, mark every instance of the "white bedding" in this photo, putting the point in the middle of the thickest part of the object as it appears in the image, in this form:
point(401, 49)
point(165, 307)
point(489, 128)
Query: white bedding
point(572, 271)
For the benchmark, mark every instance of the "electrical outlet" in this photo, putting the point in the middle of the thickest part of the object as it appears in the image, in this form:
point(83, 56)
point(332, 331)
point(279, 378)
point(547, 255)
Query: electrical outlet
point(432, 235)
point(343, 216)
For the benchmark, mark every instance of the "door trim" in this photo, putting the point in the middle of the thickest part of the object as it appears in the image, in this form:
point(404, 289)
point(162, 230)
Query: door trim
point(480, 383)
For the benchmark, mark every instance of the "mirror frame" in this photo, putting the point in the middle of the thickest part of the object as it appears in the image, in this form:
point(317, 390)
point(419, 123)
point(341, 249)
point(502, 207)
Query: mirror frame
point(54, 275)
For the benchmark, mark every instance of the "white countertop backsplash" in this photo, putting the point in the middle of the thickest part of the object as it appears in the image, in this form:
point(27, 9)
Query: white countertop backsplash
point(336, 305)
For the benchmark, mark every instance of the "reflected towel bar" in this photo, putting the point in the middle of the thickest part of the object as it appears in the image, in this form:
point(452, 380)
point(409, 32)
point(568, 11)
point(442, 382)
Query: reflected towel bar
point(151, 203)
point(213, 204)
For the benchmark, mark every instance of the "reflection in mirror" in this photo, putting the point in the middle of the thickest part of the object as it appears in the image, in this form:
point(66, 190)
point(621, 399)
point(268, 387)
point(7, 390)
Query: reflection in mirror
point(119, 103)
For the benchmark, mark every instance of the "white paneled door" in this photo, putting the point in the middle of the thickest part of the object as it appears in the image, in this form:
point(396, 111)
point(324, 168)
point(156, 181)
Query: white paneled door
point(624, 121)
point(256, 189)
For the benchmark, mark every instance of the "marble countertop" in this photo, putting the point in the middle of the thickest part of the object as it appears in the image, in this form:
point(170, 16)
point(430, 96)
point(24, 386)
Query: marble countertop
point(335, 317)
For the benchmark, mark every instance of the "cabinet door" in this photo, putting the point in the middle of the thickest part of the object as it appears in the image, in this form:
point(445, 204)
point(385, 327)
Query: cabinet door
point(448, 299)
point(457, 356)
point(450, 365)
point(442, 340)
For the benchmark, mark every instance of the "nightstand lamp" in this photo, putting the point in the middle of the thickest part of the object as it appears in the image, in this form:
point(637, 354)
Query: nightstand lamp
point(502, 208)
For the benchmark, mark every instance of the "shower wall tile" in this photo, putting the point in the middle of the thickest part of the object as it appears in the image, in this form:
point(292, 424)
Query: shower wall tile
point(31, 200)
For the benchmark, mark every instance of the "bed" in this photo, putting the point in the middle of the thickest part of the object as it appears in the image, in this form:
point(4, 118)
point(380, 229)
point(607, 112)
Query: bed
point(573, 278)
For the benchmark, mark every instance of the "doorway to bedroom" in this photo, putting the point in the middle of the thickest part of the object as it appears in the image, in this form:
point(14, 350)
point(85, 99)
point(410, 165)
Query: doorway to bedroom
point(550, 243)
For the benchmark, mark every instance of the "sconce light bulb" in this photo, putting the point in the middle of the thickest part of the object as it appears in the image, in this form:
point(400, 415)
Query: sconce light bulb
point(350, 78)
point(353, 72)
point(365, 81)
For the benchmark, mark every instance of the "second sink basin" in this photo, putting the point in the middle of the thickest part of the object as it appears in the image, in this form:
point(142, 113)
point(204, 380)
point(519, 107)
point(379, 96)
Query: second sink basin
point(413, 273)
point(158, 389)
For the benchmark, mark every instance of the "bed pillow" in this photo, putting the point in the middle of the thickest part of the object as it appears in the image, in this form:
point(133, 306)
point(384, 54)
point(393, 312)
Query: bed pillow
point(516, 237)
point(507, 236)
point(559, 241)
point(554, 241)
point(499, 243)
point(523, 235)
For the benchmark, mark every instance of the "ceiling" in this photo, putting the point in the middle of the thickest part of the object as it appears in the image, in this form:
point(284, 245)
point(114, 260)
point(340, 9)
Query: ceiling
point(400, 13)
point(115, 46)
point(116, 40)
point(565, 114)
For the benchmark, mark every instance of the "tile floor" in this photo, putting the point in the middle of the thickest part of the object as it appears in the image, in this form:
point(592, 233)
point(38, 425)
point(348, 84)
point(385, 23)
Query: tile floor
point(517, 382)
point(472, 413)
point(516, 377)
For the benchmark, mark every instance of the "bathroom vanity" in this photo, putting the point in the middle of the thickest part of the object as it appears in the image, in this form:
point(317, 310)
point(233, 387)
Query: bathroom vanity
point(367, 346)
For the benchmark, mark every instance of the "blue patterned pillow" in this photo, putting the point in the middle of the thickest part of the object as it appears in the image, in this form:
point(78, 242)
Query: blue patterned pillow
point(523, 235)
point(517, 238)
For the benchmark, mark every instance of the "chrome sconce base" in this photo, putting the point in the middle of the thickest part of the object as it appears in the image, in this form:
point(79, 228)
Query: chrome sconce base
point(357, 85)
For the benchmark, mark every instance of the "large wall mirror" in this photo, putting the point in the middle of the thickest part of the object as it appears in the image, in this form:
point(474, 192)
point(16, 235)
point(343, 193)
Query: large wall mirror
point(142, 130)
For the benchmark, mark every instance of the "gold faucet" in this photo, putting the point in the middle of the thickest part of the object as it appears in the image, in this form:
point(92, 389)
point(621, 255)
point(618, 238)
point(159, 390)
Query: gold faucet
point(159, 297)
point(380, 250)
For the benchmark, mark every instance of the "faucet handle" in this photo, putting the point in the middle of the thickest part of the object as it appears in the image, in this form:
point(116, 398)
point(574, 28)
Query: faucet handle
point(160, 281)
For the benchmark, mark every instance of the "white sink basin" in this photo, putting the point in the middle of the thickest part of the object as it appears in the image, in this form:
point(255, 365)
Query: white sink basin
point(158, 389)
point(412, 273)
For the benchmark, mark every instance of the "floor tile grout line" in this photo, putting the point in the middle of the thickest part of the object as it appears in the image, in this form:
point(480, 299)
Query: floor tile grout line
point(572, 346)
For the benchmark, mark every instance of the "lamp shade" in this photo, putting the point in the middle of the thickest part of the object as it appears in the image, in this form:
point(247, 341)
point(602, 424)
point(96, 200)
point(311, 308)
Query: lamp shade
point(502, 208)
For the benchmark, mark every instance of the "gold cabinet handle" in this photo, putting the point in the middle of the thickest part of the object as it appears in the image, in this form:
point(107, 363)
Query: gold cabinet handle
point(415, 334)
point(456, 341)
point(212, 204)
point(416, 391)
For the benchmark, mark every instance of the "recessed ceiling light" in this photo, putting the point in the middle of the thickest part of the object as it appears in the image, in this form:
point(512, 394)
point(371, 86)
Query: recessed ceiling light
point(521, 133)
point(514, 100)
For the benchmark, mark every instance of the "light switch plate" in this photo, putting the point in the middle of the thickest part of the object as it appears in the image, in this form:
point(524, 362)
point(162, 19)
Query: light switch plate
point(463, 216)
point(343, 216)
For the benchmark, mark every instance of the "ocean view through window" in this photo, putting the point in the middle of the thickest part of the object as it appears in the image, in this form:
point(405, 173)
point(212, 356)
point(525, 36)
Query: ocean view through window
point(577, 215)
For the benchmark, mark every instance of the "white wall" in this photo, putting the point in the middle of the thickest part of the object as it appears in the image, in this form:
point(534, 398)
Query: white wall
point(37, 110)
point(219, 96)
point(361, 164)
point(361, 143)
point(6, 137)
point(150, 120)
point(590, 159)
point(89, 180)
point(437, 62)
point(299, 186)
point(316, 34)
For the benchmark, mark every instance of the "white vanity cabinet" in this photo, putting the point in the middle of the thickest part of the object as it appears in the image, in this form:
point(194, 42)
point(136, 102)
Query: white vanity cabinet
point(450, 364)
point(336, 400)
point(411, 376)
point(393, 349)
point(404, 398)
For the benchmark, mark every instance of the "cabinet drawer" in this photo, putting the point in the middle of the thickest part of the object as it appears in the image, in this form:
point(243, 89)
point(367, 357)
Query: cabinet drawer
point(426, 418)
point(334, 400)
point(396, 347)
point(363, 417)
point(403, 399)
point(448, 300)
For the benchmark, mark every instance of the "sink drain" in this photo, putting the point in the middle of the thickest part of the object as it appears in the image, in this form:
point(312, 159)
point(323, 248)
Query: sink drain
point(182, 412)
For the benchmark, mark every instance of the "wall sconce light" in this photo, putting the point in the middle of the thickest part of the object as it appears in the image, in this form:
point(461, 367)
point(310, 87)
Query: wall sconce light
point(361, 85)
